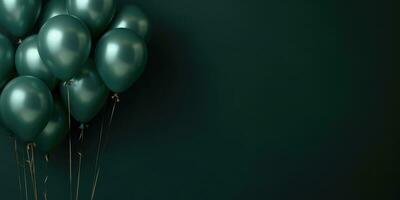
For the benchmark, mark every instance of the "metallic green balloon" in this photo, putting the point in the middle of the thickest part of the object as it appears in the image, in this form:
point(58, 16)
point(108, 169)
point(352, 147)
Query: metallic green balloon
point(55, 131)
point(132, 17)
point(64, 45)
point(52, 9)
point(19, 16)
point(121, 57)
point(6, 60)
point(87, 93)
point(28, 62)
point(97, 14)
point(26, 105)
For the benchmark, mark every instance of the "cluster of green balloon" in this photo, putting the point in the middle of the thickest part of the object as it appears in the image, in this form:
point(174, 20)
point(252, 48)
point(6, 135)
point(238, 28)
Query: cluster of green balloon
point(51, 56)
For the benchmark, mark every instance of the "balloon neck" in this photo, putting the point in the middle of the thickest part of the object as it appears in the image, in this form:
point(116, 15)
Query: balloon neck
point(19, 41)
point(30, 145)
point(83, 126)
point(68, 83)
point(115, 97)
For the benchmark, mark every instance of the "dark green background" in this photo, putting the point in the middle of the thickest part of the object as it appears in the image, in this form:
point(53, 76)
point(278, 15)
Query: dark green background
point(267, 99)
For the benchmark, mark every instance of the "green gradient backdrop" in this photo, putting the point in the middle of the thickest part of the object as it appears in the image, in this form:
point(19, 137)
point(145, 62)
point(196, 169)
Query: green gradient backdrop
point(252, 100)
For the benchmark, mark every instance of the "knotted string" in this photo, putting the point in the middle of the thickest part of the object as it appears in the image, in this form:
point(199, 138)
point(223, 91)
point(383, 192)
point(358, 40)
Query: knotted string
point(116, 99)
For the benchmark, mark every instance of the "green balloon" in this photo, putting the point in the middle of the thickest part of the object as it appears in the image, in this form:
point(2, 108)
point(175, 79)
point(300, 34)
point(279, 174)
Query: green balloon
point(6, 60)
point(64, 45)
point(97, 14)
point(55, 131)
point(132, 17)
point(19, 16)
point(28, 62)
point(121, 57)
point(87, 93)
point(52, 9)
point(26, 105)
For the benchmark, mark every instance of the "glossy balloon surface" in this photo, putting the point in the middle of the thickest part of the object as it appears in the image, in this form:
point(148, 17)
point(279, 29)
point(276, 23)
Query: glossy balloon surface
point(55, 131)
point(97, 14)
point(64, 45)
point(52, 9)
point(121, 57)
point(28, 62)
point(87, 93)
point(133, 18)
point(19, 16)
point(6, 60)
point(26, 105)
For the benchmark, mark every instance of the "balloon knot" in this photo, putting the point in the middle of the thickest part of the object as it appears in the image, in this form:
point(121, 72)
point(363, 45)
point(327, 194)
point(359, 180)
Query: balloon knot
point(83, 126)
point(68, 83)
point(115, 97)
point(19, 41)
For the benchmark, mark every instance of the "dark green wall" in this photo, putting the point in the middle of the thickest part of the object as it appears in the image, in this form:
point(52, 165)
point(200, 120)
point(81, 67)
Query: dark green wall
point(260, 99)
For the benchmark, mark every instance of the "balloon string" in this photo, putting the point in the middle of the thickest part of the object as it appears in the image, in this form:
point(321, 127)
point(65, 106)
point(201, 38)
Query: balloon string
point(95, 183)
point(70, 164)
point(18, 167)
point(79, 175)
point(96, 166)
point(101, 148)
point(99, 144)
point(80, 155)
point(67, 84)
point(116, 99)
point(34, 169)
point(46, 158)
point(25, 181)
point(30, 163)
